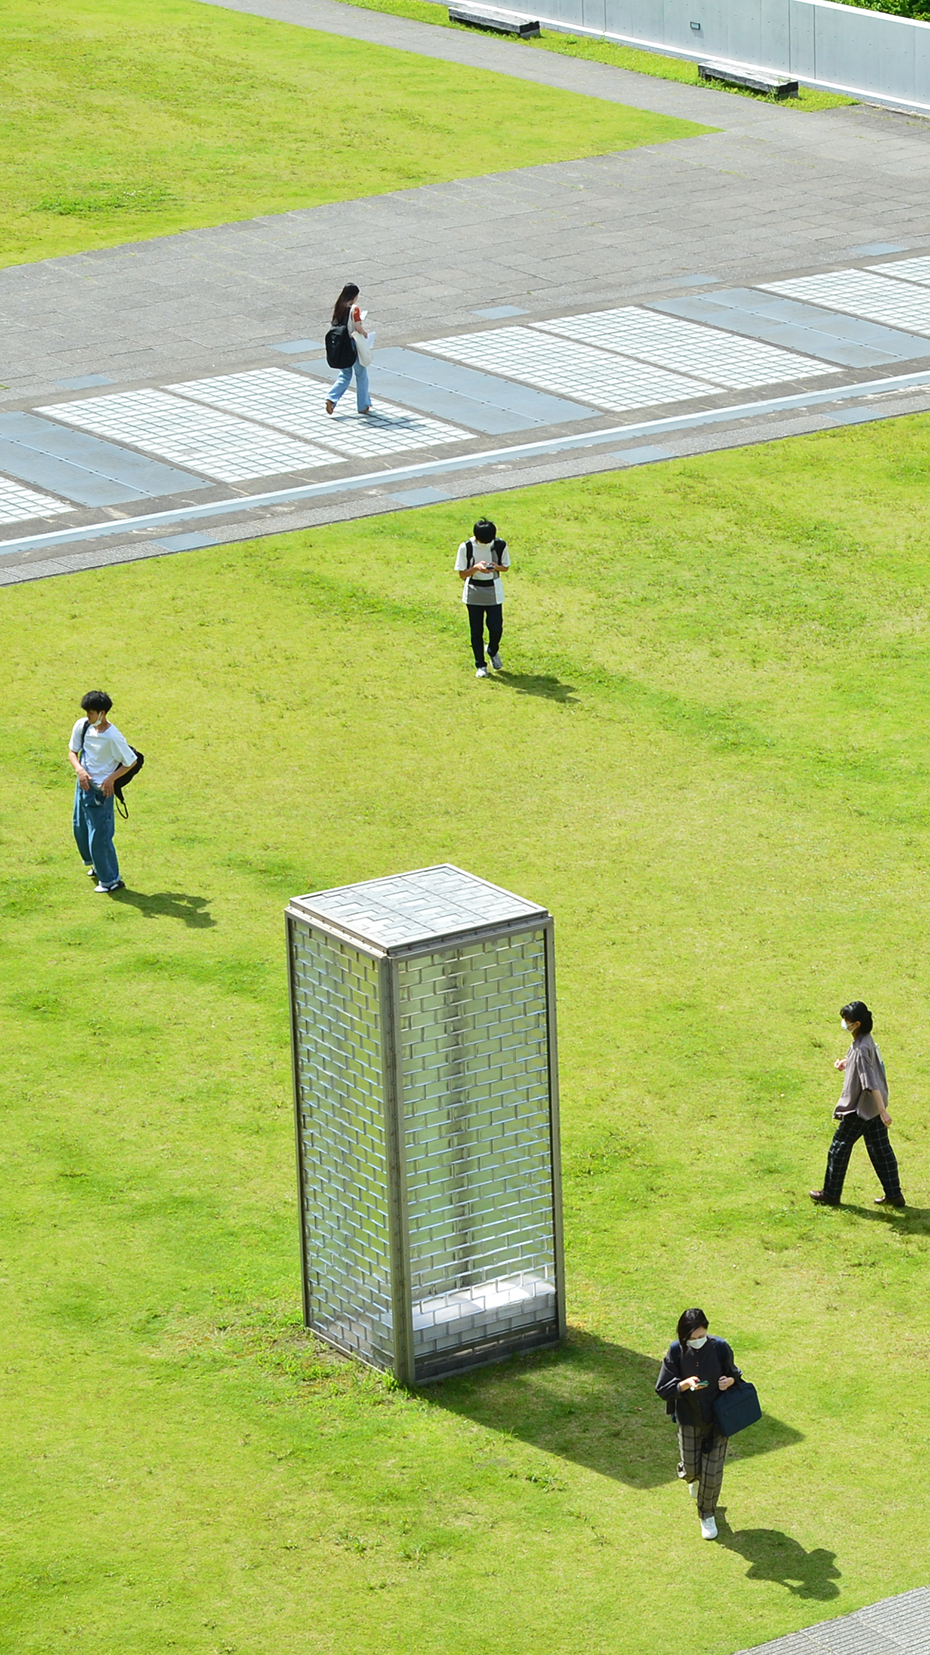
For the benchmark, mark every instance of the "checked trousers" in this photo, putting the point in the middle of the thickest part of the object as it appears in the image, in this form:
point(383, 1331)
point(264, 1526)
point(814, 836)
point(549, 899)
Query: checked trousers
point(850, 1129)
point(703, 1450)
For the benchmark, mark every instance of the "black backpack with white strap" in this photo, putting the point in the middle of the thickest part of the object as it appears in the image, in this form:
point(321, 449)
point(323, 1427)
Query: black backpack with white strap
point(495, 549)
point(124, 781)
point(340, 346)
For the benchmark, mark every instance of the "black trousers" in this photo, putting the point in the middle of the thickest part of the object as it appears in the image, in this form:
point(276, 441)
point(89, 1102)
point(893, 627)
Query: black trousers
point(849, 1130)
point(476, 615)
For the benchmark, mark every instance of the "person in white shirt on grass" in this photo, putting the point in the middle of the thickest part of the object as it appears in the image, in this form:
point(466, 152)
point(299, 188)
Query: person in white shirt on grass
point(99, 755)
point(480, 563)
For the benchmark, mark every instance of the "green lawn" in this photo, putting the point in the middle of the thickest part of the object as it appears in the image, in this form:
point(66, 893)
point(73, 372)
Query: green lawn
point(607, 51)
point(126, 119)
point(709, 759)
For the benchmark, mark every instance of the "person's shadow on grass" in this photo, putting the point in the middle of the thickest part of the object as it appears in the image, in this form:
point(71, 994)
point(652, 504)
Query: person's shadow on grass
point(528, 683)
point(912, 1220)
point(772, 1555)
point(192, 911)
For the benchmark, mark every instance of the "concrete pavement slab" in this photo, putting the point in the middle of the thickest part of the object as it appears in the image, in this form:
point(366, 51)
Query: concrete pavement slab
point(773, 196)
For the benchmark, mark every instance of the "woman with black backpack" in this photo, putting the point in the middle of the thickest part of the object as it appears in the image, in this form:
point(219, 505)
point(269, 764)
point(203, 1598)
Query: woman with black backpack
point(342, 351)
point(695, 1369)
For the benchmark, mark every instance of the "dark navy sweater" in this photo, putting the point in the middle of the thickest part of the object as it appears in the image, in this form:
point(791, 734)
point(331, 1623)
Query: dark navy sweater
point(694, 1407)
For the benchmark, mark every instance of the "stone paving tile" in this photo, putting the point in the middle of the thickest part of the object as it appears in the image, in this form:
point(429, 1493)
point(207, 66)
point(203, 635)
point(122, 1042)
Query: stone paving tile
point(896, 1626)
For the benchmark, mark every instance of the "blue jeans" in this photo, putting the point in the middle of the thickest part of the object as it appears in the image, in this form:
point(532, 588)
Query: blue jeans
point(342, 384)
point(93, 824)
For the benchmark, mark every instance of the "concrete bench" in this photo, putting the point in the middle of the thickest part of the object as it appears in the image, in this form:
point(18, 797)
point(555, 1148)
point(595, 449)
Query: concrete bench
point(744, 74)
point(501, 22)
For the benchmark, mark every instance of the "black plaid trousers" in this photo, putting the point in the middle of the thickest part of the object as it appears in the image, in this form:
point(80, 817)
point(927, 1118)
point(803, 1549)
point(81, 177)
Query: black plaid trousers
point(703, 1450)
point(850, 1129)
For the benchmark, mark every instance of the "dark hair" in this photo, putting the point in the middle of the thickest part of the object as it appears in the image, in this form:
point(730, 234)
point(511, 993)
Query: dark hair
point(344, 303)
point(858, 1012)
point(96, 701)
point(687, 1322)
point(484, 531)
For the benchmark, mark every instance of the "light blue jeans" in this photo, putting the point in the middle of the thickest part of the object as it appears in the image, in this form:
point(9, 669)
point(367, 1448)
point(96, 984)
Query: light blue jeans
point(93, 824)
point(361, 386)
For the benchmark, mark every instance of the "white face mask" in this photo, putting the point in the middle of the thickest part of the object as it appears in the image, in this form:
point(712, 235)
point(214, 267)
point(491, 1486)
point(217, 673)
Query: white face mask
point(697, 1344)
point(844, 1025)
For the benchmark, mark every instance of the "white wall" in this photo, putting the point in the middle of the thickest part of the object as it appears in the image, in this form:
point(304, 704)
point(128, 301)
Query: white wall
point(841, 48)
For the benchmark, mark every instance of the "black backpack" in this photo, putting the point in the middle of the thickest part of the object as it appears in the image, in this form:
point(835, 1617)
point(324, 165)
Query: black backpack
point(495, 548)
point(124, 781)
point(340, 346)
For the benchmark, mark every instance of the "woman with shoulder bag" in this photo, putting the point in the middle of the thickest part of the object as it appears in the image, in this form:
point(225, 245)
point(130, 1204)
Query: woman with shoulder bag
point(695, 1370)
point(346, 313)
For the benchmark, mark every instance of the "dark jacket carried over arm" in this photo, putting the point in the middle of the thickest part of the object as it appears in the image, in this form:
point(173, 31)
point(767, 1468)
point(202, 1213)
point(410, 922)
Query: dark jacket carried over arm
point(694, 1407)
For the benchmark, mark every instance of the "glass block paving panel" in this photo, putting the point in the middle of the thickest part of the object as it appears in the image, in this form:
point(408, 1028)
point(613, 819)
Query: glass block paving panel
point(217, 445)
point(861, 293)
point(573, 370)
point(908, 270)
point(291, 403)
point(17, 504)
point(721, 358)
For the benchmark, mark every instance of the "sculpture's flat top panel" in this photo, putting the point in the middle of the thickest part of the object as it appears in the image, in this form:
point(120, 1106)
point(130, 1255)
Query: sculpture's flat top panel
point(413, 907)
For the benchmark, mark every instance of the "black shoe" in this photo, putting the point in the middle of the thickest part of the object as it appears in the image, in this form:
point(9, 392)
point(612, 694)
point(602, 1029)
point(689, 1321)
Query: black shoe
point(821, 1199)
point(890, 1201)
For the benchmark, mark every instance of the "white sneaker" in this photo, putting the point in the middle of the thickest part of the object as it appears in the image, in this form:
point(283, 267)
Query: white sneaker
point(497, 663)
point(709, 1528)
point(105, 890)
point(692, 1490)
point(482, 672)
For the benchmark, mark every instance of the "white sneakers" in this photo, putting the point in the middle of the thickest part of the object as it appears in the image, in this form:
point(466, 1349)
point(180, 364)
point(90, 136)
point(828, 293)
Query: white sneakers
point(497, 663)
point(692, 1490)
point(708, 1528)
point(482, 672)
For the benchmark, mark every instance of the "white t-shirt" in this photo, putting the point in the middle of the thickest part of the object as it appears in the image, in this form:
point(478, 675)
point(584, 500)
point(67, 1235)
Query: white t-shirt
point(482, 553)
point(102, 753)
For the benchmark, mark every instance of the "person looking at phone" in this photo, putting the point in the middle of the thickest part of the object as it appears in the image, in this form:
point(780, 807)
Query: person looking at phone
point(480, 562)
point(694, 1370)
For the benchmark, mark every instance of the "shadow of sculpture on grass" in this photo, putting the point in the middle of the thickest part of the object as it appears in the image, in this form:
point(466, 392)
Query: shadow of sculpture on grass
point(192, 911)
point(774, 1556)
point(591, 1402)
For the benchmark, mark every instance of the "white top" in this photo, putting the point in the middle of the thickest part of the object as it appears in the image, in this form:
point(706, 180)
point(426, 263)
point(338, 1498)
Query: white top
point(482, 554)
point(412, 907)
point(102, 753)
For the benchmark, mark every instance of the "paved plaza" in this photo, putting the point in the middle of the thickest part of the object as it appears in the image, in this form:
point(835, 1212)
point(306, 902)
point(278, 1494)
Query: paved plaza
point(766, 278)
point(896, 1626)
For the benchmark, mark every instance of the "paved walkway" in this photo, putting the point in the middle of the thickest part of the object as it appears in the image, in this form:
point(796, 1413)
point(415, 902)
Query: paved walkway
point(772, 194)
point(896, 1626)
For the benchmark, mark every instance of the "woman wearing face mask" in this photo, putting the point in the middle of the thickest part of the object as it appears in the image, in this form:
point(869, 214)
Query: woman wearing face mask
point(694, 1370)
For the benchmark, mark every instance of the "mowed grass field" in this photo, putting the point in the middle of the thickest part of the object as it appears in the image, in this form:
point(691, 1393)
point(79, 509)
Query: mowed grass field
point(126, 119)
point(708, 757)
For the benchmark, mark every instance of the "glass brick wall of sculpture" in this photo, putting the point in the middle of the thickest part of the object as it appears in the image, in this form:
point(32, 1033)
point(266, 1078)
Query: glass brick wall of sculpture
point(473, 1041)
point(345, 1196)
